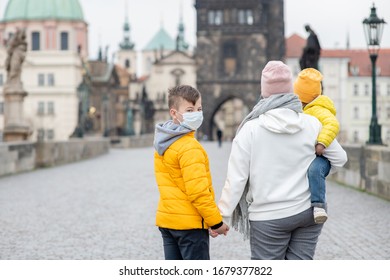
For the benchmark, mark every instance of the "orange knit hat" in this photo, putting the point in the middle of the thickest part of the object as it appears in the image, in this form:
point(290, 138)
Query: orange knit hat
point(308, 85)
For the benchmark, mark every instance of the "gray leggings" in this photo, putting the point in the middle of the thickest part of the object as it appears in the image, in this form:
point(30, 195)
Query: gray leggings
point(291, 238)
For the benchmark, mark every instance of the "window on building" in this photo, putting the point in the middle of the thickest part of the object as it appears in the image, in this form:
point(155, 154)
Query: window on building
point(215, 17)
point(41, 80)
point(36, 43)
point(127, 63)
point(1, 79)
point(230, 58)
point(378, 90)
point(50, 134)
point(366, 89)
point(388, 89)
point(356, 136)
point(50, 79)
point(40, 135)
point(265, 13)
point(1, 108)
point(355, 89)
point(50, 108)
point(245, 17)
point(64, 41)
point(41, 108)
point(388, 112)
point(178, 74)
point(354, 70)
point(388, 136)
point(356, 113)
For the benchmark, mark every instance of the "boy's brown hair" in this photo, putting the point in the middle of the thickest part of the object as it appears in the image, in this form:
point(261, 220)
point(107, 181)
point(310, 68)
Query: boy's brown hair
point(177, 93)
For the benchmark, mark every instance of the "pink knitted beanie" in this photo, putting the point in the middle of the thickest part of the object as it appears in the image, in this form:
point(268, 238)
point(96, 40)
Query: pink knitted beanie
point(276, 78)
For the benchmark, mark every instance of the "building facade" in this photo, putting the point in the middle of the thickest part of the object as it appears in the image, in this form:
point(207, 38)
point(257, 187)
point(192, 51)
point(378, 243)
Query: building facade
point(57, 37)
point(347, 81)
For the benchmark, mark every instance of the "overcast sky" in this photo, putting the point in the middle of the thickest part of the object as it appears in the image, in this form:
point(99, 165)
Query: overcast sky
point(332, 20)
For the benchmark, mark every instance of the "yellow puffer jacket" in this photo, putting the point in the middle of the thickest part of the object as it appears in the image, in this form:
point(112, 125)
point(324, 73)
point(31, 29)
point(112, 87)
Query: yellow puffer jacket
point(323, 109)
point(186, 192)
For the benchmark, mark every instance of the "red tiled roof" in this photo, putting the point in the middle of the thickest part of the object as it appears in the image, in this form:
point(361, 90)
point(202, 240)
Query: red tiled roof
point(295, 45)
point(358, 58)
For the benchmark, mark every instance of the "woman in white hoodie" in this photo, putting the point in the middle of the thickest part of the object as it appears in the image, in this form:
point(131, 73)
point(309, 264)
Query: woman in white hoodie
point(266, 194)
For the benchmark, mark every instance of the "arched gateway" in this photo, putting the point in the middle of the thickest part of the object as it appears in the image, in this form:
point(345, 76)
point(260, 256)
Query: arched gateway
point(235, 39)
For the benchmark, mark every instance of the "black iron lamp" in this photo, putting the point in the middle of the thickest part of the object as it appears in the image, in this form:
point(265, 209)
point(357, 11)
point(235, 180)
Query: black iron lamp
point(373, 29)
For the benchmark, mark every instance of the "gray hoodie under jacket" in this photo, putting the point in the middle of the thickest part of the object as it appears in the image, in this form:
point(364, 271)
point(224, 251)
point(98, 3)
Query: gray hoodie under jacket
point(167, 133)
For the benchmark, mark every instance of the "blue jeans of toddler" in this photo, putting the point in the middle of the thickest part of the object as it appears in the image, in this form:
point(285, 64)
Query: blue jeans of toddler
point(317, 173)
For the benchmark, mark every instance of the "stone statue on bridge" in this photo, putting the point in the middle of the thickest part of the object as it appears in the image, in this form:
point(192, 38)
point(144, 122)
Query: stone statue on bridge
point(16, 53)
point(15, 127)
point(311, 52)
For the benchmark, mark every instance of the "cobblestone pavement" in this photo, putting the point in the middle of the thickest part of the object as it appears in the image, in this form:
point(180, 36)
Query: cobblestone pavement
point(104, 208)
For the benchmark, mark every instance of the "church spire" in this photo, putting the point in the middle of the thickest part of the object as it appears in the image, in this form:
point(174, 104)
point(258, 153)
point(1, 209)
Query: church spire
point(181, 44)
point(126, 43)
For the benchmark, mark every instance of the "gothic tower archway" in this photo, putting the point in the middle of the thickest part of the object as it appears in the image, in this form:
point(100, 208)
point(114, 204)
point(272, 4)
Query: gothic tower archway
point(235, 40)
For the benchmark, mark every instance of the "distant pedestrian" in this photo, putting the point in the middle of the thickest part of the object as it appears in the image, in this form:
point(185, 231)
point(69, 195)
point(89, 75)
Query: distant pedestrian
point(187, 207)
point(308, 88)
point(266, 194)
point(219, 136)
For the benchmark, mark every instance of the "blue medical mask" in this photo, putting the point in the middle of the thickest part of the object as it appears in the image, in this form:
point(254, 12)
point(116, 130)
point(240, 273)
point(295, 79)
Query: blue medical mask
point(192, 120)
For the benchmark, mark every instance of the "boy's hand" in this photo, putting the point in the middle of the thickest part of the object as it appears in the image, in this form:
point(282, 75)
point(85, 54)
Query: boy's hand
point(221, 230)
point(212, 233)
point(320, 149)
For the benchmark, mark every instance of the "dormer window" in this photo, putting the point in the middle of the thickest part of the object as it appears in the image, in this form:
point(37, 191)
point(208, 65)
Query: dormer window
point(355, 70)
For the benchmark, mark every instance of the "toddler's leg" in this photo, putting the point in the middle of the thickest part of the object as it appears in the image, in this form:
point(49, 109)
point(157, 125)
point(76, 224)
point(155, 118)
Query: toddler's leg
point(317, 173)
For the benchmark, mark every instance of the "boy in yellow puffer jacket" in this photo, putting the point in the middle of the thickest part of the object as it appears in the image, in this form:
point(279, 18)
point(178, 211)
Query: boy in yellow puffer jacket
point(309, 89)
point(186, 208)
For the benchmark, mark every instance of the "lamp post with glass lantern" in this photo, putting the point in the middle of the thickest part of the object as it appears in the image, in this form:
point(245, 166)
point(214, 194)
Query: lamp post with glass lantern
point(373, 29)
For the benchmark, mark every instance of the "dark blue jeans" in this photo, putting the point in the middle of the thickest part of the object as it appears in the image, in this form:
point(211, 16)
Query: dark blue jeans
point(317, 173)
point(186, 244)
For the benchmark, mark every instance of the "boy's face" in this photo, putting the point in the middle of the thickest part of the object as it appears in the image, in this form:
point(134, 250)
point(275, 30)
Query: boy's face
point(184, 107)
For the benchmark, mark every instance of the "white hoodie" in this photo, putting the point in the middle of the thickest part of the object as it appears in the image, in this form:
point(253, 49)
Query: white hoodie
point(276, 150)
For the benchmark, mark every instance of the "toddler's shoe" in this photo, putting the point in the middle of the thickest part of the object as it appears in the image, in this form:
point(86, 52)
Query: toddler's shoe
point(320, 215)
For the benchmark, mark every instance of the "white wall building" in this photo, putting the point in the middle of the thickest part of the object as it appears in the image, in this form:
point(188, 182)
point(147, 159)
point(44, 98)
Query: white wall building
point(347, 81)
point(52, 71)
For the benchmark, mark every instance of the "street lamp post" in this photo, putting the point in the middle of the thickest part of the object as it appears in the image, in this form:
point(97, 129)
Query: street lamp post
point(373, 29)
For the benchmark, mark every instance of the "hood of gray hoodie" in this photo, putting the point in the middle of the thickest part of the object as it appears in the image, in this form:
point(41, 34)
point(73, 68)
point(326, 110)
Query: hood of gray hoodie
point(167, 133)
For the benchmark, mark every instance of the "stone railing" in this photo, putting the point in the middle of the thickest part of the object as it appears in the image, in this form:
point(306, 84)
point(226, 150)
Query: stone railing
point(367, 169)
point(16, 157)
point(139, 141)
point(57, 153)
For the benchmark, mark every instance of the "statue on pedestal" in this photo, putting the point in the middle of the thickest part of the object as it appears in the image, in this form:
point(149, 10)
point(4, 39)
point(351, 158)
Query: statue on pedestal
point(15, 128)
point(311, 52)
point(16, 53)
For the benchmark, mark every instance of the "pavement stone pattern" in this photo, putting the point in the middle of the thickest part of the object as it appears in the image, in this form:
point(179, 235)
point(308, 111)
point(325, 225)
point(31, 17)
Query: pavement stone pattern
point(104, 208)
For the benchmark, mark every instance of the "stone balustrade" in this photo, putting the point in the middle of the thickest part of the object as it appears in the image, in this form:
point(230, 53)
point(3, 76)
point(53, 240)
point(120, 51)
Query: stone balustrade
point(16, 157)
point(367, 169)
